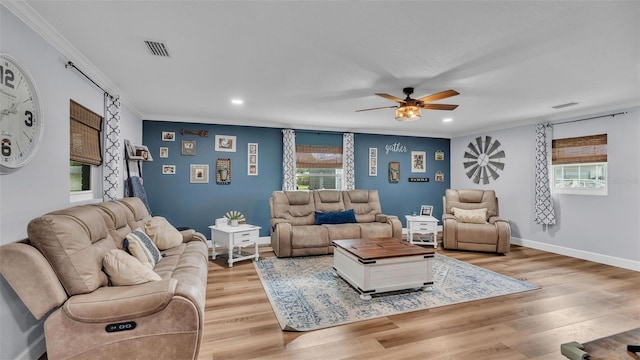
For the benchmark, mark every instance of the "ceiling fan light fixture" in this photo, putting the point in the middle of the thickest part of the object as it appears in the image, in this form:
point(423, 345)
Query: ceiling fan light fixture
point(408, 113)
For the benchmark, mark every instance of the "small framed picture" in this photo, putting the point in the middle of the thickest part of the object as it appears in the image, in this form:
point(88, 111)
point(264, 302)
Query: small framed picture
point(188, 147)
point(425, 210)
point(439, 176)
point(164, 152)
point(199, 174)
point(394, 171)
point(252, 159)
point(225, 143)
point(168, 136)
point(373, 161)
point(418, 161)
point(439, 155)
point(168, 169)
point(130, 149)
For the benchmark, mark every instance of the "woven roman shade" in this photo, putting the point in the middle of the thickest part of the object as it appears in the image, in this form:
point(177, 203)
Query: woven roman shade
point(85, 128)
point(318, 157)
point(579, 150)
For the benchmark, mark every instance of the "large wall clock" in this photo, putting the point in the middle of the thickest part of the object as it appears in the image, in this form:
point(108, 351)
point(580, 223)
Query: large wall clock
point(20, 115)
point(483, 160)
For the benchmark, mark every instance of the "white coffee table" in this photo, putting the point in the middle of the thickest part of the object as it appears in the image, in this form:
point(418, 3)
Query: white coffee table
point(235, 236)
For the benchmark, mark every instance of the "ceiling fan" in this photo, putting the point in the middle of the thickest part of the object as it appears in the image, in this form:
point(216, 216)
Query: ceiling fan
point(409, 109)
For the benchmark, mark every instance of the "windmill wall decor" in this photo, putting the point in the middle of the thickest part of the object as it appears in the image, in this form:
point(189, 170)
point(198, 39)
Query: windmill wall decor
point(483, 160)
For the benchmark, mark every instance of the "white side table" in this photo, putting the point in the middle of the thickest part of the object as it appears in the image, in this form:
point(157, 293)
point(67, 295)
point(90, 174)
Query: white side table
point(422, 225)
point(235, 236)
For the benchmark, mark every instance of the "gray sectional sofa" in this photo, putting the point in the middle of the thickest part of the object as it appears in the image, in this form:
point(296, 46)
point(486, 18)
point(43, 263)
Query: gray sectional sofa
point(296, 231)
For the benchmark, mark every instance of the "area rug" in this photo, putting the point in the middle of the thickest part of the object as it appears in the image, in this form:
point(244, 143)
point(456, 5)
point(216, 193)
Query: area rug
point(306, 295)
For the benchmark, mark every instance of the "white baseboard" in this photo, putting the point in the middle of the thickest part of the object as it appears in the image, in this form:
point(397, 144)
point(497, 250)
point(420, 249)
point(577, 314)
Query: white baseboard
point(580, 254)
point(35, 350)
point(264, 240)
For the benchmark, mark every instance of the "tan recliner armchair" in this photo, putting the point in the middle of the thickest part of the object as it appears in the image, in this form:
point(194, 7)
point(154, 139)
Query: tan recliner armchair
point(488, 233)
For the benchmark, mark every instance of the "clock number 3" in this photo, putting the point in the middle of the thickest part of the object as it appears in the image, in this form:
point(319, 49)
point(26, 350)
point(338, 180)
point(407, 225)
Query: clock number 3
point(29, 120)
point(6, 77)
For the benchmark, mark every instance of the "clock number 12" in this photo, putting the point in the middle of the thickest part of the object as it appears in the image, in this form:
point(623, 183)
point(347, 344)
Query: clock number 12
point(6, 77)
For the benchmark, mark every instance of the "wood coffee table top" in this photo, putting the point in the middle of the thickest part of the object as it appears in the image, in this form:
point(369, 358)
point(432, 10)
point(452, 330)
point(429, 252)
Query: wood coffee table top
point(379, 248)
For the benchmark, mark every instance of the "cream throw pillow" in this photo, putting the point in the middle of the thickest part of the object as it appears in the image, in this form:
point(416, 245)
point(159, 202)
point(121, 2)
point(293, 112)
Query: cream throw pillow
point(477, 216)
point(142, 248)
point(124, 269)
point(162, 233)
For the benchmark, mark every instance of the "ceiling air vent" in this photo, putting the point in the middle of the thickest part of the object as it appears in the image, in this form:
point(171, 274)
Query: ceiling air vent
point(561, 106)
point(157, 48)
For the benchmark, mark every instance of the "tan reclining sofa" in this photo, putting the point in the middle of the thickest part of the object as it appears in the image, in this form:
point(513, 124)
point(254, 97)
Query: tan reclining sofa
point(61, 267)
point(293, 220)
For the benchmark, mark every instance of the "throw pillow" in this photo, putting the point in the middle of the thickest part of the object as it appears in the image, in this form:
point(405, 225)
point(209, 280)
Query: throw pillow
point(341, 217)
point(162, 233)
point(477, 216)
point(124, 269)
point(139, 245)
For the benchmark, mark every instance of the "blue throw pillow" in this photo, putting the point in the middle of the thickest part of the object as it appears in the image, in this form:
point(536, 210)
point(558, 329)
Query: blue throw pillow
point(342, 217)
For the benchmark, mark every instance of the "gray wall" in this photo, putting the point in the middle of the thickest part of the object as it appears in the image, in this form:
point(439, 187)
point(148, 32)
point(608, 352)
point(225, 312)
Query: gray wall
point(43, 185)
point(598, 228)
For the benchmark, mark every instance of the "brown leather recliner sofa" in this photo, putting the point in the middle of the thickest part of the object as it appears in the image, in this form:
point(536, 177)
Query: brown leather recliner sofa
point(293, 220)
point(60, 267)
point(488, 233)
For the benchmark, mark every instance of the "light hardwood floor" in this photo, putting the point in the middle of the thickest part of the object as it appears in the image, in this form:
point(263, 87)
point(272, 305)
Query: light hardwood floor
point(578, 301)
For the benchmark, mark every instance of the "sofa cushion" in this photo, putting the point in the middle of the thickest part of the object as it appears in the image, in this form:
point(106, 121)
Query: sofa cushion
point(296, 207)
point(365, 204)
point(124, 269)
point(375, 230)
point(140, 245)
point(309, 236)
point(475, 216)
point(341, 217)
point(162, 233)
point(328, 200)
point(343, 231)
point(74, 241)
point(471, 199)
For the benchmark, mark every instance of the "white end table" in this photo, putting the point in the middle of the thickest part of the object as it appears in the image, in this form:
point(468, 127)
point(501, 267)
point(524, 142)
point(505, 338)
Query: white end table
point(422, 225)
point(235, 236)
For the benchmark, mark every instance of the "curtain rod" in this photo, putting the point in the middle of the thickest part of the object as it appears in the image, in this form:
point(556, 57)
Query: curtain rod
point(591, 118)
point(70, 64)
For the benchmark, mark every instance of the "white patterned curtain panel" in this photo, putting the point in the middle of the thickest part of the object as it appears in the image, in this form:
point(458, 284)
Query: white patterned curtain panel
point(348, 168)
point(111, 167)
point(288, 160)
point(545, 213)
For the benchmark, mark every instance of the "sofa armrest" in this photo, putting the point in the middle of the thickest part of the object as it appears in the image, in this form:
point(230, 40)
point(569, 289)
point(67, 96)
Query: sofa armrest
point(449, 229)
point(118, 303)
point(494, 219)
point(31, 277)
point(504, 233)
point(281, 237)
point(396, 225)
point(192, 235)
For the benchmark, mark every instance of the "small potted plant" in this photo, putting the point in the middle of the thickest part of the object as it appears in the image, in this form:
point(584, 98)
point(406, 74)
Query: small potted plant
point(234, 217)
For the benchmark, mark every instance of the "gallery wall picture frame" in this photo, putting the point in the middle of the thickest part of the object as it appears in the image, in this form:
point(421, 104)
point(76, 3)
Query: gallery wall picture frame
point(168, 169)
point(225, 143)
point(373, 161)
point(439, 176)
point(130, 149)
point(394, 171)
point(164, 152)
point(223, 171)
point(252, 159)
point(199, 174)
point(168, 136)
point(418, 162)
point(439, 155)
point(188, 147)
point(426, 210)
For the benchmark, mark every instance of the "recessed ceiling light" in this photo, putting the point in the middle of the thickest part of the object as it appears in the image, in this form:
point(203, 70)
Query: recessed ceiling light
point(237, 101)
point(447, 120)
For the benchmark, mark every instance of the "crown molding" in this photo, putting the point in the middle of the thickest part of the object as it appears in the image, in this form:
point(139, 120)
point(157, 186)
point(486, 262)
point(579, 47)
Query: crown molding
point(37, 23)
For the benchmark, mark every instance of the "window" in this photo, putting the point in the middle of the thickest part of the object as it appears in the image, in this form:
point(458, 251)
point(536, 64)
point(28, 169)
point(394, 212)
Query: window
point(318, 167)
point(85, 156)
point(580, 165)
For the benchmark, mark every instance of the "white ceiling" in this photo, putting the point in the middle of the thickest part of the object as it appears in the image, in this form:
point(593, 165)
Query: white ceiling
point(311, 64)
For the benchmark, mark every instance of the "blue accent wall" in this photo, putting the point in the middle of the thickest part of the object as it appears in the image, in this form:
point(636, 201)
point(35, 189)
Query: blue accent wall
point(198, 205)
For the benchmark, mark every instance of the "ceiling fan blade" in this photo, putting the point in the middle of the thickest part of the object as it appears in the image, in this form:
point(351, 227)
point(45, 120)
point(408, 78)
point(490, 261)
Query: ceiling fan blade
point(438, 106)
point(391, 97)
point(378, 108)
point(439, 95)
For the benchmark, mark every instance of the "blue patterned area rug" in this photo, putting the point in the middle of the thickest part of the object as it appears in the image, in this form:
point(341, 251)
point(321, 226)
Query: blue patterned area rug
point(306, 295)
